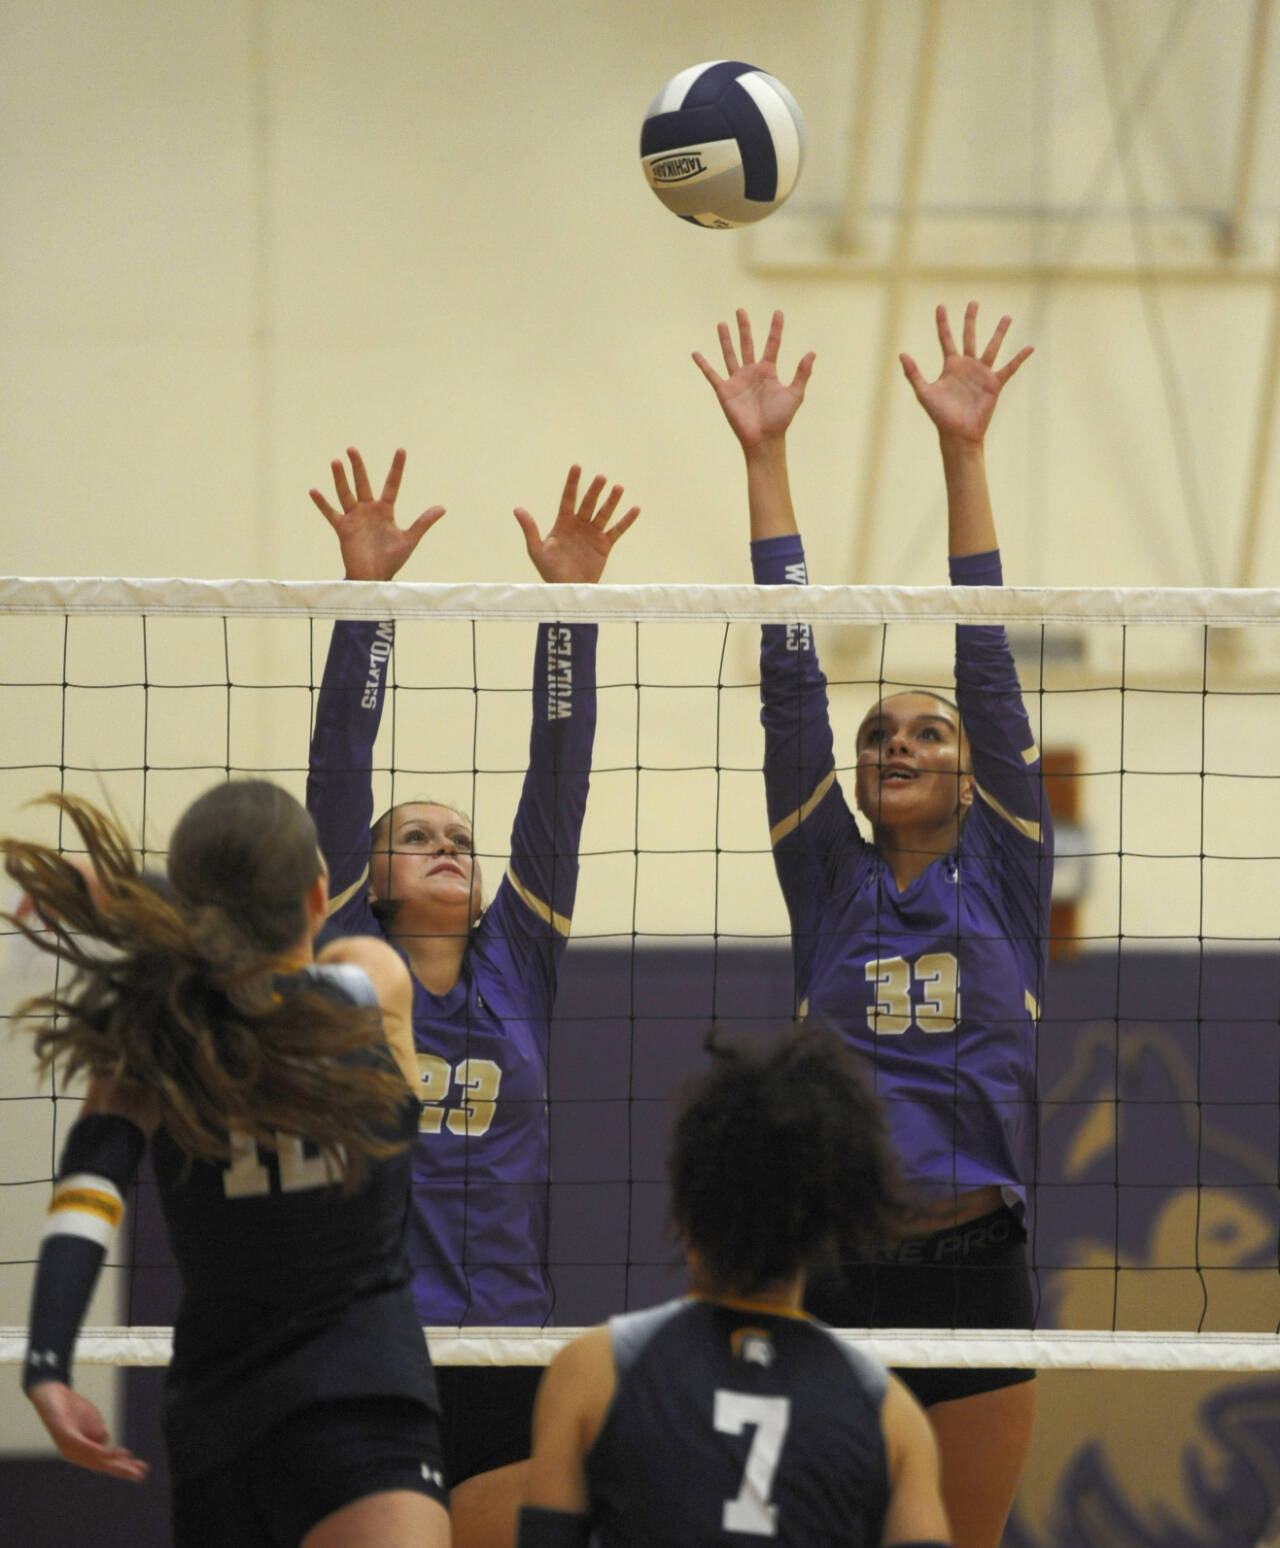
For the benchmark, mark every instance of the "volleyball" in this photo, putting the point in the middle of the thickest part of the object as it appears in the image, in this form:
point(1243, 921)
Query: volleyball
point(722, 144)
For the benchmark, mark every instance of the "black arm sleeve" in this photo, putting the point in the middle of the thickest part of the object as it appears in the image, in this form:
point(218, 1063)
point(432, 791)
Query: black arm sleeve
point(98, 1165)
point(541, 1528)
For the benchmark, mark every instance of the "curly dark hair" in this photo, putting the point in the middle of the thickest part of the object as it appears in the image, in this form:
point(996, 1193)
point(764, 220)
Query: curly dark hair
point(187, 1001)
point(778, 1157)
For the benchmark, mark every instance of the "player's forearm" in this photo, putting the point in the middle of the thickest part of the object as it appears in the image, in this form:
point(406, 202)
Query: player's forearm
point(352, 689)
point(548, 822)
point(99, 1161)
point(769, 489)
point(971, 527)
point(564, 693)
point(348, 713)
point(793, 692)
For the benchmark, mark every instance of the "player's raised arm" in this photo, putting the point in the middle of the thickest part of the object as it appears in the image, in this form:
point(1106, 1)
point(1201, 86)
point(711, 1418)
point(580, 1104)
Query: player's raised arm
point(349, 707)
point(538, 905)
point(960, 402)
point(759, 407)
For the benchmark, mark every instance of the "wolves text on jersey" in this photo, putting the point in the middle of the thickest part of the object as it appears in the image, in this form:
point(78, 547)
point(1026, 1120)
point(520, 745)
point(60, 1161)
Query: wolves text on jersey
point(559, 673)
point(379, 655)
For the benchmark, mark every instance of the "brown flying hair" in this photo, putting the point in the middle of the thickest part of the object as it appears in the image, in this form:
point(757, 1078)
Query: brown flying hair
point(189, 1000)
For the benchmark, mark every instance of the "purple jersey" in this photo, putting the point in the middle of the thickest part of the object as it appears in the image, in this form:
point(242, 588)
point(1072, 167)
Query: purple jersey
point(938, 986)
point(478, 1227)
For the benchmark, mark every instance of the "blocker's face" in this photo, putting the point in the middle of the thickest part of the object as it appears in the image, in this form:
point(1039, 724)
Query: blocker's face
point(425, 859)
point(913, 762)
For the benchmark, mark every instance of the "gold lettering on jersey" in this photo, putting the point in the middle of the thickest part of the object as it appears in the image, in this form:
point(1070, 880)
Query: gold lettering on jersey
point(436, 1077)
point(481, 1079)
point(939, 1007)
point(894, 1012)
point(890, 1015)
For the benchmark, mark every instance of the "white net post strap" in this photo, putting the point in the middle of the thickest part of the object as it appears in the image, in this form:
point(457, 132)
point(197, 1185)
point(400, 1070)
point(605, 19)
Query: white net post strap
point(1072, 1350)
point(1216, 606)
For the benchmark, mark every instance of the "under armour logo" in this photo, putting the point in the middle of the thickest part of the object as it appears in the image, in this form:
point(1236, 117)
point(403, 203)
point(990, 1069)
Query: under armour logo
point(433, 1475)
point(46, 1357)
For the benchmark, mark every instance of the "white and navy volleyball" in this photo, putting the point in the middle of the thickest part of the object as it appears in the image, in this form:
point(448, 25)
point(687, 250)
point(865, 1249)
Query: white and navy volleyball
point(722, 144)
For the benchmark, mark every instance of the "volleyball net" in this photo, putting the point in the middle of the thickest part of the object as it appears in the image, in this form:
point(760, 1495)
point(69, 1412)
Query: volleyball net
point(1155, 1193)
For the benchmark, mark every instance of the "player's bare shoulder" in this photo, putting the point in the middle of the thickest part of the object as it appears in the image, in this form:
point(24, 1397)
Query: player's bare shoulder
point(384, 965)
point(578, 1387)
point(393, 986)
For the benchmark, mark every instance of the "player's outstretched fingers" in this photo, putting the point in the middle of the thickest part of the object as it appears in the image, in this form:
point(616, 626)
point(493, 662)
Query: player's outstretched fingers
point(945, 337)
point(622, 524)
point(726, 347)
point(804, 370)
point(746, 343)
point(364, 490)
point(774, 342)
point(391, 487)
point(971, 328)
point(1007, 371)
point(588, 505)
point(994, 342)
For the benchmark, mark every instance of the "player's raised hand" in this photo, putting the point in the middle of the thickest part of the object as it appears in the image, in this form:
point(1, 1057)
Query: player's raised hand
point(583, 533)
point(80, 1433)
point(963, 398)
point(373, 547)
point(758, 404)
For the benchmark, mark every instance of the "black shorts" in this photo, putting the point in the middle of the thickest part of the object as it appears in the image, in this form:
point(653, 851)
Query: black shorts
point(314, 1462)
point(487, 1416)
point(973, 1275)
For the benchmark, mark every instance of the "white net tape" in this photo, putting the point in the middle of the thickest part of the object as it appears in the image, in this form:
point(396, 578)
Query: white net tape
point(1061, 1351)
point(1217, 607)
